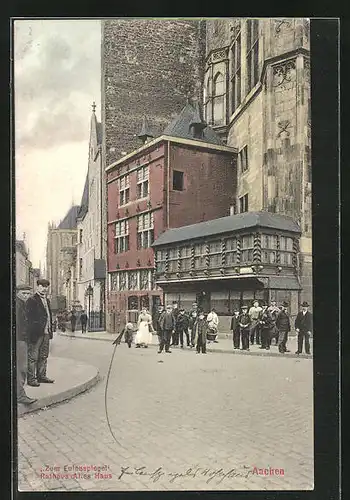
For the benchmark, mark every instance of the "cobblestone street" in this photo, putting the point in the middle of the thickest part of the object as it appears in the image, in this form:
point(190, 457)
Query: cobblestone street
point(183, 421)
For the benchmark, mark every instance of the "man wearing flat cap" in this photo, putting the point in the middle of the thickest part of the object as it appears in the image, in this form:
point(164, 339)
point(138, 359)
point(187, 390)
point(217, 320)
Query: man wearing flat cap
point(39, 318)
point(22, 295)
point(303, 327)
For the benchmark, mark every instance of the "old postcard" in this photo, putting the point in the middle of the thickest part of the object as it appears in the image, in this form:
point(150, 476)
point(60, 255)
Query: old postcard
point(163, 206)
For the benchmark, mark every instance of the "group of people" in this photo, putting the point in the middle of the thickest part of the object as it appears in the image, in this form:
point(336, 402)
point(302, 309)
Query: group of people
point(259, 324)
point(72, 317)
point(262, 324)
point(33, 333)
point(173, 326)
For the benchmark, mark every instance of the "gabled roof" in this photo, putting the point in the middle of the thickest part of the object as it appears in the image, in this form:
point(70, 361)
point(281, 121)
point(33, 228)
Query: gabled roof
point(228, 225)
point(181, 126)
point(84, 204)
point(70, 220)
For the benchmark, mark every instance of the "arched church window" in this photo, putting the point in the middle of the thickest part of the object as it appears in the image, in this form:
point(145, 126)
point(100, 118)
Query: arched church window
point(218, 99)
point(218, 84)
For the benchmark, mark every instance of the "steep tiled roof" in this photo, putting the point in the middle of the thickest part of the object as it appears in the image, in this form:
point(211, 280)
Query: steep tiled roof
point(181, 126)
point(70, 220)
point(84, 204)
point(227, 225)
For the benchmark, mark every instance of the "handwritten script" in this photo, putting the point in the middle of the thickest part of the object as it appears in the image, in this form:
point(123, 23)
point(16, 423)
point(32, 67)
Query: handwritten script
point(208, 475)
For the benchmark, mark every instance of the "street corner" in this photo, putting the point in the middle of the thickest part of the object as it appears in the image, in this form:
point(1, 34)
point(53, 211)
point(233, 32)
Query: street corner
point(71, 378)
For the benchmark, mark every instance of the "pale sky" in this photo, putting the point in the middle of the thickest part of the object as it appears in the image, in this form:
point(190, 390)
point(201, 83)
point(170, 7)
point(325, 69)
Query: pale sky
point(57, 77)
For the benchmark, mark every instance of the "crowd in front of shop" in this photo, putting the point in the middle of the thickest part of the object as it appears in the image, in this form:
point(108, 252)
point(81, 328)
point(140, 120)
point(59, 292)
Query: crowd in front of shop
point(263, 324)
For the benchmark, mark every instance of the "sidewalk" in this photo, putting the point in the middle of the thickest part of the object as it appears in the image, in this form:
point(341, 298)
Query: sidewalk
point(81, 378)
point(224, 345)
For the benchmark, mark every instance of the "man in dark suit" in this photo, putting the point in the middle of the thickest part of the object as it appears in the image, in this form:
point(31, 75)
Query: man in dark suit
point(167, 324)
point(303, 327)
point(283, 326)
point(39, 328)
point(235, 329)
point(23, 293)
point(83, 321)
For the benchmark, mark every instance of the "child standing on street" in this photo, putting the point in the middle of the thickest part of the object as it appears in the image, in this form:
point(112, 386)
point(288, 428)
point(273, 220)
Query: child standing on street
point(128, 332)
point(200, 328)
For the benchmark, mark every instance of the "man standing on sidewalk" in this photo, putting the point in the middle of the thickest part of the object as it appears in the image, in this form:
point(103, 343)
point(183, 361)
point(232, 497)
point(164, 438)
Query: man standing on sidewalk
point(235, 330)
point(83, 321)
point(39, 319)
point(244, 324)
point(303, 327)
point(255, 313)
point(266, 325)
point(167, 324)
point(73, 320)
point(23, 293)
point(283, 327)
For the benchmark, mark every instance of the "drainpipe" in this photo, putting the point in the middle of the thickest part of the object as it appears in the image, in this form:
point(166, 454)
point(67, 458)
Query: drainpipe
point(168, 185)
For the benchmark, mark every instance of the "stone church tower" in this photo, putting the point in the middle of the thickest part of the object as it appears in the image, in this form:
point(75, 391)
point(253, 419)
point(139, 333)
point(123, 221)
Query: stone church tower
point(149, 68)
point(257, 96)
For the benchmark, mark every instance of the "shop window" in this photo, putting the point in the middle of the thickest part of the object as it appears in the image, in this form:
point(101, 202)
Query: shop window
point(133, 303)
point(144, 302)
point(178, 180)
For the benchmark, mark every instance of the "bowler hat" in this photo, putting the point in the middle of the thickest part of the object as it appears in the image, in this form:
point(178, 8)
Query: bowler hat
point(304, 304)
point(43, 282)
point(23, 287)
point(285, 304)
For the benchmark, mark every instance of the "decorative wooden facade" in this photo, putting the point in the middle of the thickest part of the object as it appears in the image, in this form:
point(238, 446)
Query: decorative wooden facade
point(228, 262)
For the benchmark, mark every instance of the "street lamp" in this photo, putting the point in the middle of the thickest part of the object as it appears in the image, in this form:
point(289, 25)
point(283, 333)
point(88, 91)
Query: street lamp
point(89, 292)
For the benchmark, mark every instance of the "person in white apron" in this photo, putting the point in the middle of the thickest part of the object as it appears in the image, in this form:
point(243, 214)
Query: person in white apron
point(144, 329)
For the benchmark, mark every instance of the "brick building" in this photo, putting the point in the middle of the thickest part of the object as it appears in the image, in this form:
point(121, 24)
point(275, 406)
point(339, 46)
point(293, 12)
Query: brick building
point(184, 176)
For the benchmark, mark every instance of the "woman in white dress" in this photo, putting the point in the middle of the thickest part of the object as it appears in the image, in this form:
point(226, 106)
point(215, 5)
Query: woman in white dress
point(144, 329)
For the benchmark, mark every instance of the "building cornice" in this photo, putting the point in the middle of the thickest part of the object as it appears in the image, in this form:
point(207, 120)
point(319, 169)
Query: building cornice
point(176, 140)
